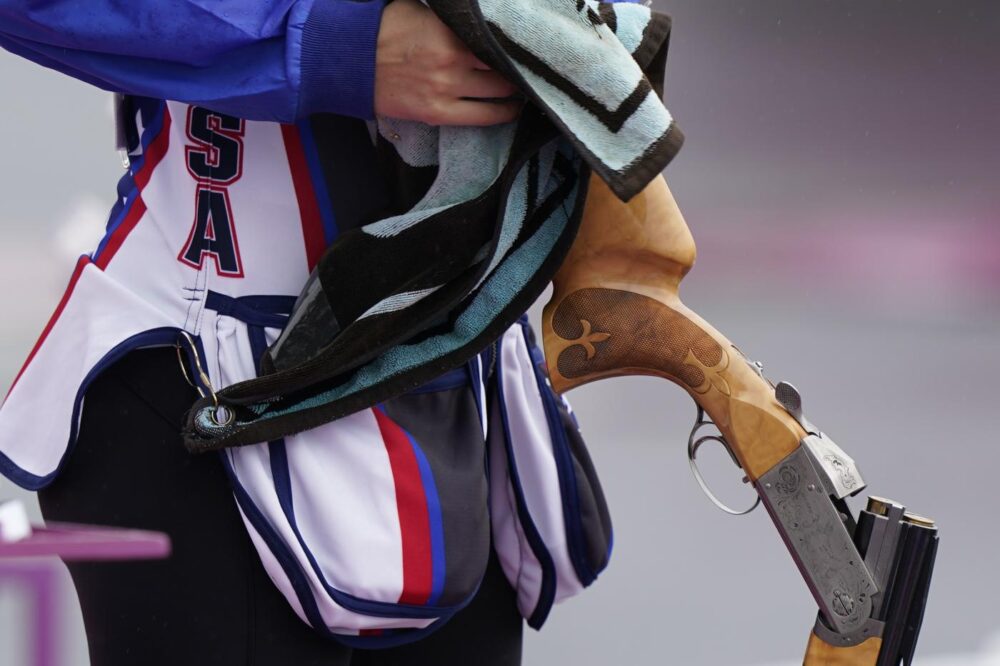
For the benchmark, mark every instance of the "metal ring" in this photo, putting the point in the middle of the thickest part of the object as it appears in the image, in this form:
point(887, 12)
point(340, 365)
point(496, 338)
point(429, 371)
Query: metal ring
point(221, 415)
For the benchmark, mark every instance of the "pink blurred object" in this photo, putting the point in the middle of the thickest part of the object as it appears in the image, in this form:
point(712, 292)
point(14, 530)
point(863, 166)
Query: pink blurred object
point(69, 542)
point(88, 542)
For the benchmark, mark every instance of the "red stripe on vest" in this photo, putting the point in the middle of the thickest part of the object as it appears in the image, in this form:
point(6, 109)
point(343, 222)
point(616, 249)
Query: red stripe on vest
point(411, 504)
point(312, 222)
point(153, 154)
point(77, 272)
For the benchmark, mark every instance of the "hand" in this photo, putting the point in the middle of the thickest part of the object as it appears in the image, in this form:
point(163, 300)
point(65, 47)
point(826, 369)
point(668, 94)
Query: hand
point(423, 72)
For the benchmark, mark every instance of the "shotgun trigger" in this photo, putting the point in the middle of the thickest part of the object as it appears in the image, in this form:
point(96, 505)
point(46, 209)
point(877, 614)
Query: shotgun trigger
point(694, 443)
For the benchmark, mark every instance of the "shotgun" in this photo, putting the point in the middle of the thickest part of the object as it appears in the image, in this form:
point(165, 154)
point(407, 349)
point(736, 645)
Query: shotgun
point(615, 310)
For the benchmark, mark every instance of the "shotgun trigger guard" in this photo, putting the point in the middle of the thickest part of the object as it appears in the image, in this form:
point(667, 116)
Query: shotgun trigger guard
point(694, 443)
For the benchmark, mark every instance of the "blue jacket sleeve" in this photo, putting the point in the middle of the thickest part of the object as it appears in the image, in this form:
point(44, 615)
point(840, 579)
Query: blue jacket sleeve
point(276, 60)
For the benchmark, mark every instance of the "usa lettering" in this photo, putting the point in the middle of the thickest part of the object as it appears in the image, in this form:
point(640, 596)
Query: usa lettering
point(215, 160)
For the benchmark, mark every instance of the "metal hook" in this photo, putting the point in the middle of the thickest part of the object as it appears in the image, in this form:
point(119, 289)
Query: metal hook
point(693, 445)
point(184, 372)
point(220, 415)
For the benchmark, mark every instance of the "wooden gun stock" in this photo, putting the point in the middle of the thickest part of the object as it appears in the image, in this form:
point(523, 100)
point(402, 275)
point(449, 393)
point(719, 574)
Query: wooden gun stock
point(615, 310)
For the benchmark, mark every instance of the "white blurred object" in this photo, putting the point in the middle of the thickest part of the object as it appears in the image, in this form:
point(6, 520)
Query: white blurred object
point(82, 229)
point(991, 651)
point(14, 524)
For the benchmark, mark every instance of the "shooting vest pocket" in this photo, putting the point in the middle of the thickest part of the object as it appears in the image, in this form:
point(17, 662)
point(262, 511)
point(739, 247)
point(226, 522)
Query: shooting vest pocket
point(377, 527)
point(551, 526)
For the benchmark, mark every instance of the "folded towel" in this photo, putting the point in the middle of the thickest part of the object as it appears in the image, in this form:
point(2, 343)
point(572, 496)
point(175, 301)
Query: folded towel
point(398, 302)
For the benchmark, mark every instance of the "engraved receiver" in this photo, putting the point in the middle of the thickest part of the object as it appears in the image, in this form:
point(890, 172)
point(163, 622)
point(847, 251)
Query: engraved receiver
point(615, 310)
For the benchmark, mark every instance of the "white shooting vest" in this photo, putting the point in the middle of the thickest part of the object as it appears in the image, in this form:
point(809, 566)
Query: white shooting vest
point(377, 526)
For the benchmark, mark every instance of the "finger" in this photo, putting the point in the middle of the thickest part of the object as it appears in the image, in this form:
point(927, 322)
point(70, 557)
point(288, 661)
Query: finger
point(440, 36)
point(470, 60)
point(477, 113)
point(478, 64)
point(476, 83)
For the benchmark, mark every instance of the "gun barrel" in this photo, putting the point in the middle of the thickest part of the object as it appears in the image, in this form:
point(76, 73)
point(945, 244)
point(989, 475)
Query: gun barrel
point(899, 548)
point(904, 596)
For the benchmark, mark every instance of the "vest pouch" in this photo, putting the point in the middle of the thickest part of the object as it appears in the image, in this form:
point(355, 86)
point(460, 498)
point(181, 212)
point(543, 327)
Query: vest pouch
point(551, 526)
point(375, 526)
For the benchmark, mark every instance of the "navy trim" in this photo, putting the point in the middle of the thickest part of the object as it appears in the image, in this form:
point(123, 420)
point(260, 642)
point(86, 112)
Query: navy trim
point(287, 561)
point(128, 192)
point(256, 310)
point(272, 312)
point(163, 337)
point(564, 465)
point(265, 311)
point(169, 336)
point(452, 379)
point(126, 185)
point(322, 194)
point(389, 637)
point(282, 486)
point(478, 390)
point(282, 479)
point(547, 591)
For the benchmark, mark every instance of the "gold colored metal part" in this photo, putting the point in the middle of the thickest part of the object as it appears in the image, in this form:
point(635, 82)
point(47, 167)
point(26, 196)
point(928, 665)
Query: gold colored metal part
point(879, 505)
point(202, 375)
point(915, 519)
point(183, 364)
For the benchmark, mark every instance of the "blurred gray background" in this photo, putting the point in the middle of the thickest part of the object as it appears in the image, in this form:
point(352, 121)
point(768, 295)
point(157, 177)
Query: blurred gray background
point(842, 179)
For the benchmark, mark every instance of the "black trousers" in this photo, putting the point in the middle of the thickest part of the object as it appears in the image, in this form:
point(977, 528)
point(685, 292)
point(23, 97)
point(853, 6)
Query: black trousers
point(211, 602)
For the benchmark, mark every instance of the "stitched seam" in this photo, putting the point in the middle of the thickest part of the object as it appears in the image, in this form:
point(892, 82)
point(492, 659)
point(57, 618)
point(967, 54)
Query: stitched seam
point(201, 303)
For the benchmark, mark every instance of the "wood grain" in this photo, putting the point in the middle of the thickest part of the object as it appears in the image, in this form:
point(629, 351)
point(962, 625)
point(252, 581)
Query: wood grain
point(615, 310)
point(821, 653)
